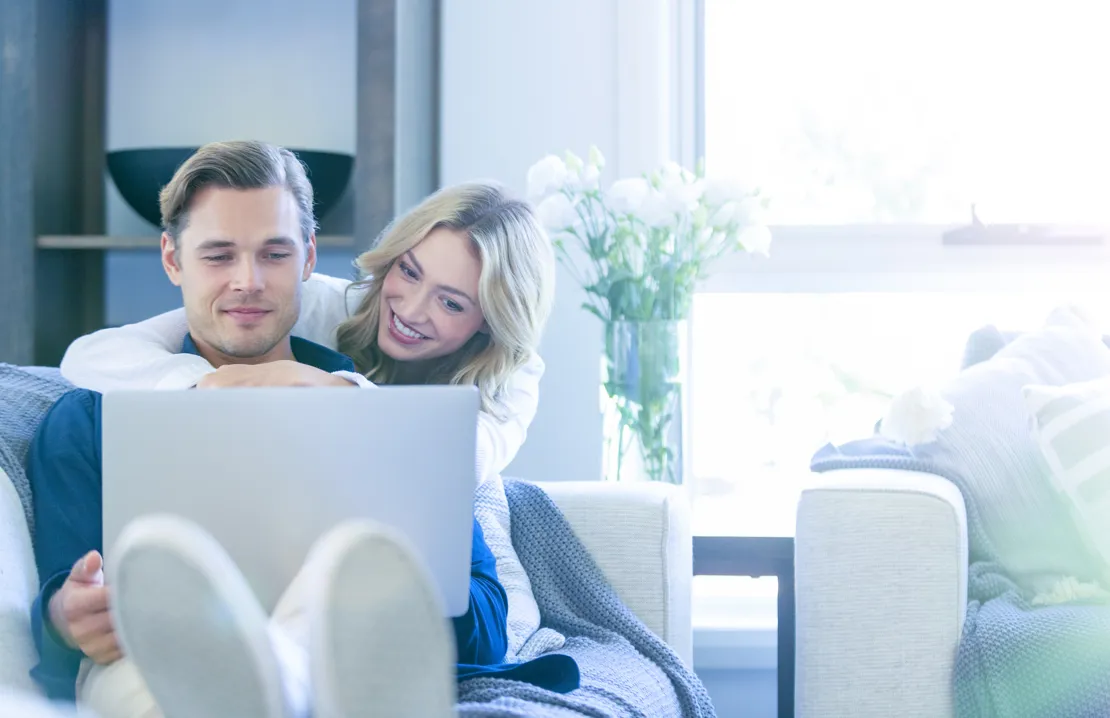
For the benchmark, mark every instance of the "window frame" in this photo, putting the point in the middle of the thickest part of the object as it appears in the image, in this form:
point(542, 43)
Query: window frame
point(849, 257)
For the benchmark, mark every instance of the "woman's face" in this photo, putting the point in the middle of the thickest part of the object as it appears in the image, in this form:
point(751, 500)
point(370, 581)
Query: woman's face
point(429, 300)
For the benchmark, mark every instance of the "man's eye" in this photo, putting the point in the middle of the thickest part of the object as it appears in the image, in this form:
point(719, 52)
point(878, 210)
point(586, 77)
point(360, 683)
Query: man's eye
point(218, 258)
point(280, 255)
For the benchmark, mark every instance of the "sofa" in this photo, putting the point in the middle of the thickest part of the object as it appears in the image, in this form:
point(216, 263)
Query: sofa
point(639, 535)
point(881, 568)
point(956, 571)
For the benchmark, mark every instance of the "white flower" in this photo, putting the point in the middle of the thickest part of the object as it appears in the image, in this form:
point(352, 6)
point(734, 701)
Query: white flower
point(595, 158)
point(723, 216)
point(556, 213)
point(545, 177)
point(722, 191)
point(673, 173)
point(573, 162)
point(916, 416)
point(679, 188)
point(589, 178)
point(681, 197)
point(756, 239)
point(658, 209)
point(627, 196)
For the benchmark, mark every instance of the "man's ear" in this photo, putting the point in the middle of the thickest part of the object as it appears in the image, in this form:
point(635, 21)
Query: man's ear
point(170, 261)
point(309, 258)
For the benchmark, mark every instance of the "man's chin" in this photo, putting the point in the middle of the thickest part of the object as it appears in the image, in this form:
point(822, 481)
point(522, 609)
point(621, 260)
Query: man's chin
point(246, 348)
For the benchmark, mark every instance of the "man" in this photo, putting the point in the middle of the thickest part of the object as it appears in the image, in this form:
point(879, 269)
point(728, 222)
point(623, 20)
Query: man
point(239, 241)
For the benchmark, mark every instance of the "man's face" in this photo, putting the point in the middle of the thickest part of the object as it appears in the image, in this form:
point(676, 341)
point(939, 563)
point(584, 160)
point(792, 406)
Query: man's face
point(240, 263)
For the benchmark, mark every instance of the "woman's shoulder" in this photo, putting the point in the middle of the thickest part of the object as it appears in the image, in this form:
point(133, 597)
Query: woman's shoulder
point(325, 304)
point(331, 296)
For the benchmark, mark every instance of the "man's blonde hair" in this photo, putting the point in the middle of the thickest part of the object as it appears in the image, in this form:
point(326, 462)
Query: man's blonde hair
point(516, 287)
point(241, 164)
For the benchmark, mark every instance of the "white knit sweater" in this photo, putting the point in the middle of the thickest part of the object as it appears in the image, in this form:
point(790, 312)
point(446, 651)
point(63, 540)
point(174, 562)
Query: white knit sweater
point(146, 355)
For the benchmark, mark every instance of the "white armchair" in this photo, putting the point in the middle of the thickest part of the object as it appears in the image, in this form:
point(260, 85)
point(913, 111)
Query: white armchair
point(881, 580)
point(638, 534)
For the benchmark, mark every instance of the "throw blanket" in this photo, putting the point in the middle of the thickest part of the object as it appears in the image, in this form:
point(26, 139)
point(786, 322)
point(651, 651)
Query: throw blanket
point(626, 670)
point(25, 397)
point(1015, 659)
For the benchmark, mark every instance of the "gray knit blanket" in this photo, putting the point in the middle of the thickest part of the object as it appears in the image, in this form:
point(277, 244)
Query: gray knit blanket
point(1015, 659)
point(626, 670)
point(25, 396)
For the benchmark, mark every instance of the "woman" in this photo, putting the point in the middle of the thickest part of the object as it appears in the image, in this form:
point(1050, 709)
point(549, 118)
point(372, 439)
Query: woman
point(430, 308)
point(456, 292)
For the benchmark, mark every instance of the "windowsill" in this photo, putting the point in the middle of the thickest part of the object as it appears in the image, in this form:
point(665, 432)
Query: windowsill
point(735, 628)
point(735, 649)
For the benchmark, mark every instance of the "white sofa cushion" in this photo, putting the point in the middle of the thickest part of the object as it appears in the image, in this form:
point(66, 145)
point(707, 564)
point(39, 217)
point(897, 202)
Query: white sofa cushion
point(1072, 425)
point(18, 586)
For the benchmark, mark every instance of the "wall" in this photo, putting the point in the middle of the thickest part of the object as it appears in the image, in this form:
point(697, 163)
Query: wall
point(521, 80)
point(183, 74)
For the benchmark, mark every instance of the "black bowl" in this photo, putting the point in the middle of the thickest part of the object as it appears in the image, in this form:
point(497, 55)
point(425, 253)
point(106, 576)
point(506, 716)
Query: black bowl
point(141, 174)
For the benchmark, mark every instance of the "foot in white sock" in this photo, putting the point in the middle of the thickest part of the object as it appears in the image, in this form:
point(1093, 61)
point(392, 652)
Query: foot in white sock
point(190, 622)
point(380, 645)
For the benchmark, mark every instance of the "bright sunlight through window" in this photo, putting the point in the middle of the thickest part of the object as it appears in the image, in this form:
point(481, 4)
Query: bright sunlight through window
point(859, 111)
point(864, 112)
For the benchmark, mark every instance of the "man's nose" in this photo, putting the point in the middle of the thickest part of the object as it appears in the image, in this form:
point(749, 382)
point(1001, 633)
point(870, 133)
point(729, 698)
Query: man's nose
point(247, 277)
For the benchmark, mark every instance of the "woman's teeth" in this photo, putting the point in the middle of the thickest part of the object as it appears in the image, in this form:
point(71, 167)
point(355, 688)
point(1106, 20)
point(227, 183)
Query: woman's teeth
point(405, 330)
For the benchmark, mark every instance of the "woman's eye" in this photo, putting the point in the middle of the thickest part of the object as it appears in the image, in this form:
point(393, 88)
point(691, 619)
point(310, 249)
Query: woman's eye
point(407, 271)
point(452, 305)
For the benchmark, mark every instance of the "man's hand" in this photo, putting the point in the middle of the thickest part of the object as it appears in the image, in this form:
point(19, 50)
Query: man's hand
point(79, 611)
point(275, 373)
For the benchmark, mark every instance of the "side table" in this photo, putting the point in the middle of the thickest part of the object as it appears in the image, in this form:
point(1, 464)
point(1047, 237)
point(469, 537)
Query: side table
point(759, 556)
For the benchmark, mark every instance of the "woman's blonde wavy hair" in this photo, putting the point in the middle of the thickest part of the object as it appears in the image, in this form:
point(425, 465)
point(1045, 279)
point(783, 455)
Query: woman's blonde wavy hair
point(515, 290)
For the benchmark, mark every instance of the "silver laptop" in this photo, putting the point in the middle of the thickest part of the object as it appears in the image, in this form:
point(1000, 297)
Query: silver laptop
point(267, 471)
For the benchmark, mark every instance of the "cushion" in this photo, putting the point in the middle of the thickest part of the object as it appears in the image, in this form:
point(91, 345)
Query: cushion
point(492, 511)
point(1072, 427)
point(26, 394)
point(1016, 517)
point(18, 586)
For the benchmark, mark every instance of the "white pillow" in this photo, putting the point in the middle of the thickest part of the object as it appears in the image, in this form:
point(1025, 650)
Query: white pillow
point(492, 511)
point(1072, 427)
point(18, 586)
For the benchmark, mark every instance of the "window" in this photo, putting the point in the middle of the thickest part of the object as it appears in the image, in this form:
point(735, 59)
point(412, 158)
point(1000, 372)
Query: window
point(860, 111)
point(775, 376)
point(885, 121)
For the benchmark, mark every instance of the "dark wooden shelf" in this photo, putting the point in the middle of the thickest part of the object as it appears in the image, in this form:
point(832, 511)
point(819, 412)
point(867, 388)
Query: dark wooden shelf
point(92, 241)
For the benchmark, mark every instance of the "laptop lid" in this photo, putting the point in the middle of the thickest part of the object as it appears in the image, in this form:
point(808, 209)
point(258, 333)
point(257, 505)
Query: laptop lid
point(267, 471)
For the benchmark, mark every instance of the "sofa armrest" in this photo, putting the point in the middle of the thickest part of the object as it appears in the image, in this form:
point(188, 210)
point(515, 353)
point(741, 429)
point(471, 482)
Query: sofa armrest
point(639, 535)
point(881, 580)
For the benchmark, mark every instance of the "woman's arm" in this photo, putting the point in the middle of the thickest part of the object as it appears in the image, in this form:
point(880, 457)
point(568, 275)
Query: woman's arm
point(499, 441)
point(147, 354)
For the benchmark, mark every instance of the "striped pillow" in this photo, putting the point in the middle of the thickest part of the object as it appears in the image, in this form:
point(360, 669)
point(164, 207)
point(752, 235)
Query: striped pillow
point(1072, 426)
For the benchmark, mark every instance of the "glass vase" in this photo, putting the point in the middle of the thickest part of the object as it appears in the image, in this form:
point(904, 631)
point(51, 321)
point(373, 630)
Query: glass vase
point(643, 395)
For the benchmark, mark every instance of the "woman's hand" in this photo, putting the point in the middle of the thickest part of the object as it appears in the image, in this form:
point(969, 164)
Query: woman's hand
point(275, 373)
